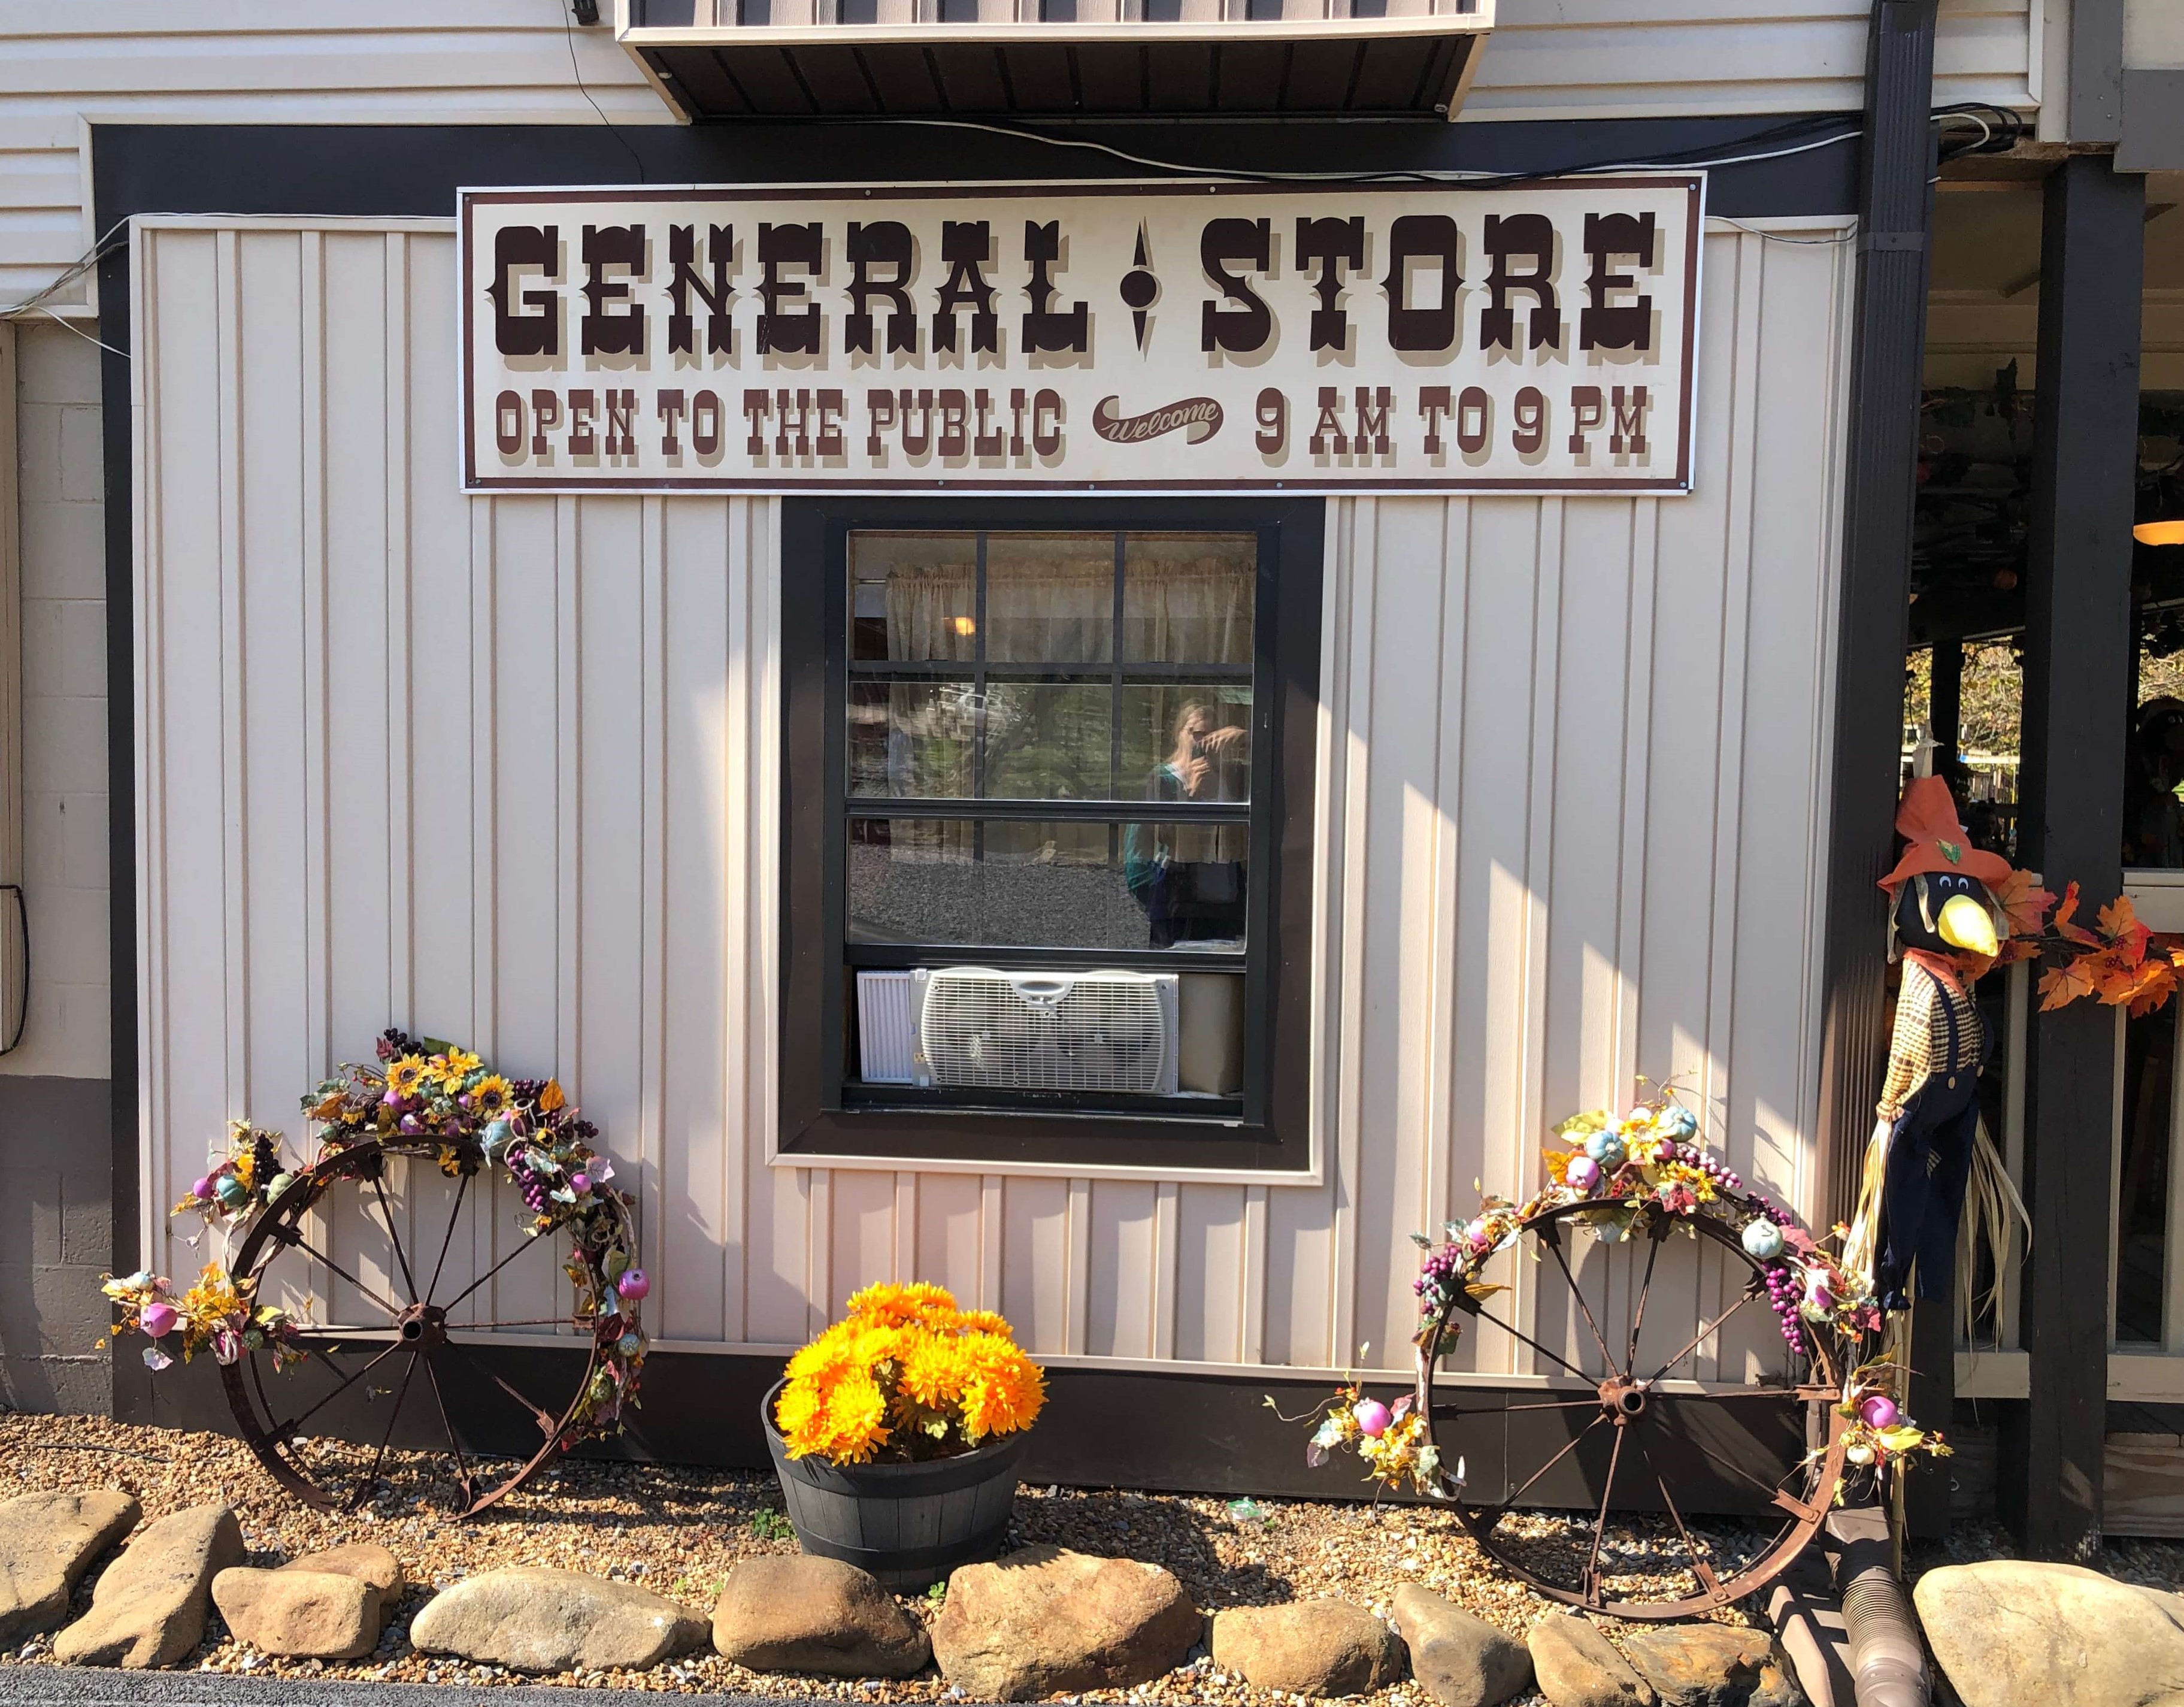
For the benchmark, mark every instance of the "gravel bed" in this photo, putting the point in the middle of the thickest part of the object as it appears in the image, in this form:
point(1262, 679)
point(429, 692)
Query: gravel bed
point(678, 1530)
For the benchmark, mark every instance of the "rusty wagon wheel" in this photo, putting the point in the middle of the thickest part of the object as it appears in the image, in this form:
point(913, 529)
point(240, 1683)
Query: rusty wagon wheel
point(403, 1347)
point(1628, 1437)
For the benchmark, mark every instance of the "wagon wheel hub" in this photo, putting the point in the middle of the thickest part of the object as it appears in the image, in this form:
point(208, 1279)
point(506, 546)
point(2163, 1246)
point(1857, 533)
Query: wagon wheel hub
point(1623, 1398)
point(423, 1327)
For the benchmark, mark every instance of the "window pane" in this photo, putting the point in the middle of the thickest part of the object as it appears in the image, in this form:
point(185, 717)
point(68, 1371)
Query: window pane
point(1049, 742)
point(912, 739)
point(1186, 741)
point(913, 597)
point(1187, 598)
point(1051, 598)
point(1047, 885)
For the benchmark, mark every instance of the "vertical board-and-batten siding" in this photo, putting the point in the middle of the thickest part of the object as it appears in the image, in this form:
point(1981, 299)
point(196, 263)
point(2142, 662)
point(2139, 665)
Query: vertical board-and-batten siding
point(507, 769)
point(257, 62)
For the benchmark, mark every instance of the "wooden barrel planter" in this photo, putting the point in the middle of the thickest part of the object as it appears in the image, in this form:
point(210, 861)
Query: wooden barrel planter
point(908, 1523)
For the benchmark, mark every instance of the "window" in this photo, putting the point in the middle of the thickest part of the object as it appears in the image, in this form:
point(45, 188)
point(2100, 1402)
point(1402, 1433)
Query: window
point(1056, 770)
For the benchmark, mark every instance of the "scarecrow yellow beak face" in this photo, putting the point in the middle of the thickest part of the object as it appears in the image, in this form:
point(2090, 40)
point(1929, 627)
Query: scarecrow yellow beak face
point(1964, 923)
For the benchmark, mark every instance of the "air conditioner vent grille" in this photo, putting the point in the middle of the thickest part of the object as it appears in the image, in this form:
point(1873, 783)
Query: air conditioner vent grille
point(1093, 1031)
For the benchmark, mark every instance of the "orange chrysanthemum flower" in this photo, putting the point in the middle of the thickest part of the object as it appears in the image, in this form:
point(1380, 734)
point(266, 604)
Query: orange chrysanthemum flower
point(907, 1373)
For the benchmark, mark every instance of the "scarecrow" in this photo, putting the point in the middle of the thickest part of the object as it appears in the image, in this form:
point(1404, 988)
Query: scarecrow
point(1946, 925)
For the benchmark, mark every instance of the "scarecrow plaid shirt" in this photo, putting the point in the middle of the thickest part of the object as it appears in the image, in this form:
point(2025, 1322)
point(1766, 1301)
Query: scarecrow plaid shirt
point(1920, 1043)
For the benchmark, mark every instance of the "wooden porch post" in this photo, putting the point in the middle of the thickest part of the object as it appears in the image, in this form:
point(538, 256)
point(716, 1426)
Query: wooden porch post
point(1896, 209)
point(2077, 690)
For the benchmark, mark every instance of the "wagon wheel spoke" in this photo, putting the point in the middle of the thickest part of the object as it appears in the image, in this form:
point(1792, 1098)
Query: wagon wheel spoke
point(1599, 1524)
point(549, 1425)
point(529, 1242)
point(1699, 1338)
point(386, 1213)
point(294, 1236)
point(526, 1322)
point(1486, 1315)
point(1657, 1236)
point(1571, 1446)
point(1700, 1568)
point(1774, 1491)
point(379, 1457)
point(465, 1483)
point(1550, 1236)
point(286, 1430)
point(309, 1331)
point(448, 1238)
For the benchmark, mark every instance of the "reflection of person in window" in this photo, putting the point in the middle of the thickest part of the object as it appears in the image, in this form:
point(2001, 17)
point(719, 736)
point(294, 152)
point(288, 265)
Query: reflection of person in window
point(1188, 876)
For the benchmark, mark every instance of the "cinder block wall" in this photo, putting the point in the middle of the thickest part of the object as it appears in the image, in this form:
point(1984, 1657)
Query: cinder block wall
point(56, 1223)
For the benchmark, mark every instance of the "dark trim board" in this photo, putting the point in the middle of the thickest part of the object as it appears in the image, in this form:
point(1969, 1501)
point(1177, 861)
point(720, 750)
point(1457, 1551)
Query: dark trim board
point(417, 169)
point(1179, 1433)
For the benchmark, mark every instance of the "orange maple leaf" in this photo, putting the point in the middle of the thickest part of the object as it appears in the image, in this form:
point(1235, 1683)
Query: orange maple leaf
point(2119, 921)
point(2061, 985)
point(2013, 949)
point(2064, 914)
point(2025, 905)
point(1558, 1163)
point(2155, 983)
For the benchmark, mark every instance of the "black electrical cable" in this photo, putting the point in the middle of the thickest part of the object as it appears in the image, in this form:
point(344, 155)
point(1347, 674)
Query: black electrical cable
point(1999, 129)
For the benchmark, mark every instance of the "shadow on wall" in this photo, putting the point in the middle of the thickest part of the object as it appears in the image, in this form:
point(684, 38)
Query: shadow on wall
point(56, 1240)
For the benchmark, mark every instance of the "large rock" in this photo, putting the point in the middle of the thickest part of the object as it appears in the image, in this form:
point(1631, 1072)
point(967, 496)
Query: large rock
point(792, 1612)
point(302, 1614)
point(1462, 1661)
point(149, 1608)
point(1713, 1665)
point(531, 1618)
point(47, 1541)
point(1576, 1665)
point(1046, 1621)
point(329, 1605)
point(2011, 1632)
point(1308, 1648)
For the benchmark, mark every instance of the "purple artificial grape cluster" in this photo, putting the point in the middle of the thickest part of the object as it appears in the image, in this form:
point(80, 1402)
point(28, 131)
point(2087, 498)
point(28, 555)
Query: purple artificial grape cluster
point(529, 1182)
point(1691, 1156)
point(1785, 1292)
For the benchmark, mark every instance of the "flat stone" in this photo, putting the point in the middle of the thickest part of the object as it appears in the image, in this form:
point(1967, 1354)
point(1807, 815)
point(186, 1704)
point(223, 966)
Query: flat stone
point(1462, 1661)
point(816, 1616)
point(1576, 1665)
point(1046, 1621)
point(1713, 1665)
point(531, 1618)
point(47, 1541)
point(1307, 1647)
point(2012, 1633)
point(299, 1615)
point(150, 1606)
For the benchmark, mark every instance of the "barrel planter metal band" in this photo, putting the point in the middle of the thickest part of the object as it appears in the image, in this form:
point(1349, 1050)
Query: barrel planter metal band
point(908, 1523)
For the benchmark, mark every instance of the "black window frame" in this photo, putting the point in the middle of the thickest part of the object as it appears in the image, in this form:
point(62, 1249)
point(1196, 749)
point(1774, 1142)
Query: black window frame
point(1270, 1131)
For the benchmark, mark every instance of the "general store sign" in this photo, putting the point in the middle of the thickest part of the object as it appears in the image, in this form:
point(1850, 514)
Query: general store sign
point(1141, 337)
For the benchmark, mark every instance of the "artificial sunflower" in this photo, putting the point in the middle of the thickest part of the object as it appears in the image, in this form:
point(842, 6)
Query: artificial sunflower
point(406, 1076)
point(492, 1097)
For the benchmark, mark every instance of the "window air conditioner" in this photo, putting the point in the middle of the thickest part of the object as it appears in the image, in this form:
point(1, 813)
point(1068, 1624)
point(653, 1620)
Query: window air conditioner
point(976, 1027)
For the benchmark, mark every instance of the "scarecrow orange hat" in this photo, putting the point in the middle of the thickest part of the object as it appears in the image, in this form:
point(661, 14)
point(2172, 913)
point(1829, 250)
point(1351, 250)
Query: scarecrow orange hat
point(1928, 820)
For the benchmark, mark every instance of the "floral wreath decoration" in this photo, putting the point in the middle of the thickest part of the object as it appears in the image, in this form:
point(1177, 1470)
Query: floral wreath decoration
point(433, 1100)
point(1619, 1169)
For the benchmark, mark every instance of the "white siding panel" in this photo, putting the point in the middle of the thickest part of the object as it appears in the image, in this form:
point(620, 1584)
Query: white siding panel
point(1566, 58)
point(505, 769)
